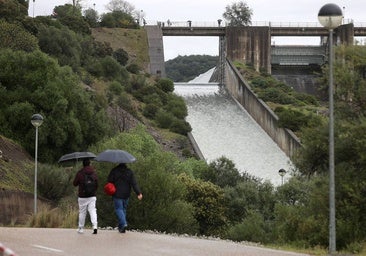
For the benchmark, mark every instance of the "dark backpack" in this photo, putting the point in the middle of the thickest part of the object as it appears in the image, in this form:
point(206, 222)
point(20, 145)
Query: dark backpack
point(90, 185)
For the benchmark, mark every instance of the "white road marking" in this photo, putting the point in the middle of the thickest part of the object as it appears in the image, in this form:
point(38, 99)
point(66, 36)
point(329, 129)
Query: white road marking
point(46, 248)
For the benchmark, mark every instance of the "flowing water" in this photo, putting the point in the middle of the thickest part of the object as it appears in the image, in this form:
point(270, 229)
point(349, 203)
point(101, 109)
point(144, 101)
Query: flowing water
point(221, 127)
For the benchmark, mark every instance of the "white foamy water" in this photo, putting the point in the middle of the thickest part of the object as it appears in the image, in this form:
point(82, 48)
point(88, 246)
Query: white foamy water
point(221, 127)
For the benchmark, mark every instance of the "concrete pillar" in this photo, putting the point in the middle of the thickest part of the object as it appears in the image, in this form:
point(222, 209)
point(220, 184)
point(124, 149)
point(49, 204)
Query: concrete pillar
point(250, 45)
point(156, 50)
point(222, 60)
point(345, 34)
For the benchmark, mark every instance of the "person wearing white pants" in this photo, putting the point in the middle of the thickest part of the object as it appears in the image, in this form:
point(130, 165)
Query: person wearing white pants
point(87, 205)
point(87, 181)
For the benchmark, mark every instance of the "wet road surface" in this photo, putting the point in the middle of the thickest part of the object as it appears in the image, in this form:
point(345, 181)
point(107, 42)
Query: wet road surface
point(54, 241)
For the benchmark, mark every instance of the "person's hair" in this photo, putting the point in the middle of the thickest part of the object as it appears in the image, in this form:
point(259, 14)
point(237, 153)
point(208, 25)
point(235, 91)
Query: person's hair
point(86, 162)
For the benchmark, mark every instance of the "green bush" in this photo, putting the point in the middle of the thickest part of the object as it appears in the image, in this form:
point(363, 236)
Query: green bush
point(17, 38)
point(112, 69)
point(118, 19)
point(124, 101)
point(207, 200)
point(101, 50)
point(164, 119)
point(145, 92)
point(166, 85)
point(307, 99)
point(63, 44)
point(276, 95)
point(291, 119)
point(54, 183)
point(259, 82)
point(176, 105)
point(150, 110)
point(94, 67)
point(13, 10)
point(180, 126)
point(133, 68)
point(153, 98)
point(136, 83)
point(115, 87)
point(121, 56)
point(253, 228)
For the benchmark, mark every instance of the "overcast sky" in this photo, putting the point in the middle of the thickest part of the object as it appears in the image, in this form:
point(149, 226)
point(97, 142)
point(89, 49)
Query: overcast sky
point(211, 11)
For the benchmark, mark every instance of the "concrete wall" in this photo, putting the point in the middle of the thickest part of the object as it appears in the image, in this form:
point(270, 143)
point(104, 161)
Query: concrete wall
point(156, 50)
point(260, 112)
point(250, 45)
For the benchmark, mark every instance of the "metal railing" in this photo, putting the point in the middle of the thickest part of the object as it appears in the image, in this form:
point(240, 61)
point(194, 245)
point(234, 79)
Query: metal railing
point(222, 23)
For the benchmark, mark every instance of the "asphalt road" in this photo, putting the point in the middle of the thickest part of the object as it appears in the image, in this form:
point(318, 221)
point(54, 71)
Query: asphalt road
point(40, 241)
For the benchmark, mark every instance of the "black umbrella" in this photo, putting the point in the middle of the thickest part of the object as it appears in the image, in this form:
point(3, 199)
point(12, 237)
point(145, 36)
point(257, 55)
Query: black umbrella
point(76, 157)
point(115, 156)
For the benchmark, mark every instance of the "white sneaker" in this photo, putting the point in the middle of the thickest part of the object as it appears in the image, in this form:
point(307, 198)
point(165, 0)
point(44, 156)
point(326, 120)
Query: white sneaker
point(80, 230)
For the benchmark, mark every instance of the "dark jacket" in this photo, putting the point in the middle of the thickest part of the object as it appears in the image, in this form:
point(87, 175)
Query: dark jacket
point(79, 179)
point(123, 179)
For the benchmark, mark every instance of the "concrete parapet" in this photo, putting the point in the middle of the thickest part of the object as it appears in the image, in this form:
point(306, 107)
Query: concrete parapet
point(195, 146)
point(261, 113)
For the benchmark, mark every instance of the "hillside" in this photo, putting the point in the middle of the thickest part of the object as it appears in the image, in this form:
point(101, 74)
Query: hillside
point(133, 41)
point(186, 68)
point(16, 199)
point(15, 164)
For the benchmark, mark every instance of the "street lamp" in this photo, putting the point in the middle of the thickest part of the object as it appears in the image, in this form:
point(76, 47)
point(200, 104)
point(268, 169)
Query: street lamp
point(36, 121)
point(330, 16)
point(282, 173)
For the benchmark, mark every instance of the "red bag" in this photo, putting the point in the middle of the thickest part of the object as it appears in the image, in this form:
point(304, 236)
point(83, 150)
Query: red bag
point(109, 189)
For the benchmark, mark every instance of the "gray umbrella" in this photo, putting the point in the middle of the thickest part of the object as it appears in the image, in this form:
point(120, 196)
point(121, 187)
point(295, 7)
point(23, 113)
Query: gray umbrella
point(115, 156)
point(76, 156)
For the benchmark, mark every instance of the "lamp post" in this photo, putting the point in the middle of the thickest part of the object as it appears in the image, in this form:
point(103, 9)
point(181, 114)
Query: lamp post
point(282, 173)
point(36, 121)
point(330, 16)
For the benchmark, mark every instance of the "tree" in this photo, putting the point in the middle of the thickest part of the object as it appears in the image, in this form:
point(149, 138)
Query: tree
point(91, 16)
point(120, 5)
point(60, 43)
point(238, 14)
point(12, 10)
point(208, 202)
point(350, 164)
point(71, 16)
point(222, 172)
point(17, 38)
point(118, 19)
point(34, 82)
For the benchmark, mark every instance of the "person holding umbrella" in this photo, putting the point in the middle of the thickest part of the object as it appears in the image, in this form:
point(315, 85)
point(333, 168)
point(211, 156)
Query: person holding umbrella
point(123, 179)
point(87, 180)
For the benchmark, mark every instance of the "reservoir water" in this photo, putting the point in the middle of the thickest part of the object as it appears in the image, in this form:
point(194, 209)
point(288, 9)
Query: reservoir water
point(221, 127)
